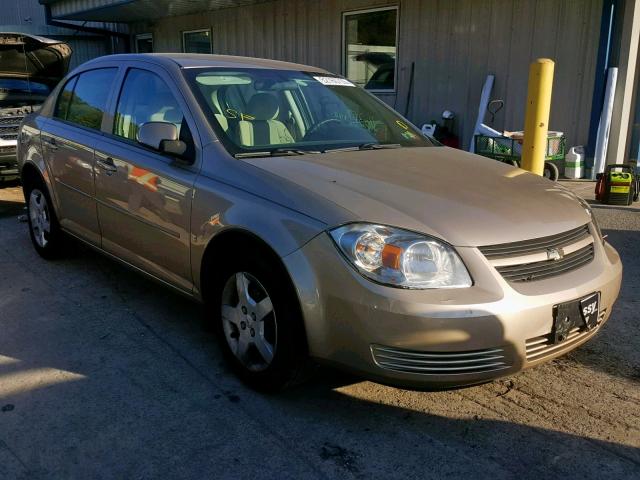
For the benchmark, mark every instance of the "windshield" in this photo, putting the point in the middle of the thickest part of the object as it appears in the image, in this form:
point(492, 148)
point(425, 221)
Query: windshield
point(258, 112)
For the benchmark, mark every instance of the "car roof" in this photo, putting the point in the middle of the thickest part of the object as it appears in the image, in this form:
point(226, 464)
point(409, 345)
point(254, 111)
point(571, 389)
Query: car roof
point(195, 60)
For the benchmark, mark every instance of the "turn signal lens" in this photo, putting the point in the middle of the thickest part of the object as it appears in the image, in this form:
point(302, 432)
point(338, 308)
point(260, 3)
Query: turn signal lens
point(401, 258)
point(391, 256)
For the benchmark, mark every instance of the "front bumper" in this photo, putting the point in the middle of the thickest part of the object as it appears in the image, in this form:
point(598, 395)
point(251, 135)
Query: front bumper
point(8, 163)
point(440, 338)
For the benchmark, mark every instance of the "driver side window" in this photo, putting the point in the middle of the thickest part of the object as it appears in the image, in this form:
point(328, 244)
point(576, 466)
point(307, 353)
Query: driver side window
point(145, 97)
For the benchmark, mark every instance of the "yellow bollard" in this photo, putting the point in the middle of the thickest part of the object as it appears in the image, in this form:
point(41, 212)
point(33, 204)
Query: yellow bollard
point(536, 125)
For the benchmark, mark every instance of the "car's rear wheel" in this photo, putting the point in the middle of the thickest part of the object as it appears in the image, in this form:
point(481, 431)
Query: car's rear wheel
point(46, 236)
point(259, 324)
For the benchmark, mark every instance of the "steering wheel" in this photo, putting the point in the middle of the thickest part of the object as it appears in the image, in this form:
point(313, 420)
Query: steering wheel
point(323, 123)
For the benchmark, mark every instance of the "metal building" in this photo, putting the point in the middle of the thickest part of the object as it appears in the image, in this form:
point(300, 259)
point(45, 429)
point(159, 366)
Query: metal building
point(420, 56)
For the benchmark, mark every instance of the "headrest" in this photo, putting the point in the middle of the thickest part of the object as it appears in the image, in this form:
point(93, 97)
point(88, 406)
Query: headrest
point(263, 106)
point(173, 115)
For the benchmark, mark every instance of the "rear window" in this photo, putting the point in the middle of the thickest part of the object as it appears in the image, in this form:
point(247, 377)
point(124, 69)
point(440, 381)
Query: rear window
point(86, 103)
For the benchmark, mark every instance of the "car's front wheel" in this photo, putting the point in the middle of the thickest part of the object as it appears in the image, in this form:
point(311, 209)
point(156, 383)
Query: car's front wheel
point(259, 325)
point(44, 229)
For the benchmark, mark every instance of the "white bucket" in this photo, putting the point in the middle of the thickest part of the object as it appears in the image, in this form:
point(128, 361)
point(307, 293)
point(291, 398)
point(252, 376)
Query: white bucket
point(574, 163)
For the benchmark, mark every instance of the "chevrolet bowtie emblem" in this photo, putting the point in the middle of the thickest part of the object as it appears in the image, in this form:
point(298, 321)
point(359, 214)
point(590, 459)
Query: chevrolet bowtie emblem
point(555, 254)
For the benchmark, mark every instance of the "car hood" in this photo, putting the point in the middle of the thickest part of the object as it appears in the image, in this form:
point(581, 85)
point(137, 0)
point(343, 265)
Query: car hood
point(38, 59)
point(465, 199)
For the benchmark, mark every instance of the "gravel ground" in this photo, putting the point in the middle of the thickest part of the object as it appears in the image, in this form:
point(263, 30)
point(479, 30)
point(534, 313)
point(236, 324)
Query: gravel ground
point(106, 375)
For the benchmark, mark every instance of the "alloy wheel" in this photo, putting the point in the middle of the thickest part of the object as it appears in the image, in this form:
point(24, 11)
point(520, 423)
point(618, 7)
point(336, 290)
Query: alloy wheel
point(40, 220)
point(249, 321)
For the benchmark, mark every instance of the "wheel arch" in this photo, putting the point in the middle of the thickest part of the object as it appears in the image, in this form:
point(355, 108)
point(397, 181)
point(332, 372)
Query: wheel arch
point(31, 175)
point(232, 241)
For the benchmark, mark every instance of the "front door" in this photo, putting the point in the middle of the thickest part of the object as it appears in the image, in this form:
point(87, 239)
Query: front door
point(144, 197)
point(68, 139)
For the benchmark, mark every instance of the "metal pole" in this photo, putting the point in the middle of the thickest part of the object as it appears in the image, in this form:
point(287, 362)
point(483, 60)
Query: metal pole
point(536, 124)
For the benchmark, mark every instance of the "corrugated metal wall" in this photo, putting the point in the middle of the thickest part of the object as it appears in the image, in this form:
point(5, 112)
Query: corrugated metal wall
point(14, 12)
point(63, 7)
point(454, 44)
point(86, 48)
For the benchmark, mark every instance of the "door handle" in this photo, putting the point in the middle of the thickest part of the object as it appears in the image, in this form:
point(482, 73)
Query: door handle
point(107, 164)
point(51, 143)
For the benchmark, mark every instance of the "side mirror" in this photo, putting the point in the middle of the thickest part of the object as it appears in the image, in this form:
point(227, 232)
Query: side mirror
point(163, 137)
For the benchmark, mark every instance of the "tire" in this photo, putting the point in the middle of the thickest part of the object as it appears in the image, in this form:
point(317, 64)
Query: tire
point(44, 229)
point(551, 171)
point(258, 324)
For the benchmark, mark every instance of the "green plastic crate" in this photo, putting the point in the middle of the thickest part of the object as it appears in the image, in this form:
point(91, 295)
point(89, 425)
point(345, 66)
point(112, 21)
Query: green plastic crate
point(509, 150)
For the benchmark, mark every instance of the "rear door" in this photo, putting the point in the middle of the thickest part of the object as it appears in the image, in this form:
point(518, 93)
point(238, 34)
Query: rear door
point(144, 197)
point(68, 140)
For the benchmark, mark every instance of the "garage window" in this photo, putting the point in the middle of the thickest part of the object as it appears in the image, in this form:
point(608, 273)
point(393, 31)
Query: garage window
point(144, 43)
point(371, 47)
point(197, 41)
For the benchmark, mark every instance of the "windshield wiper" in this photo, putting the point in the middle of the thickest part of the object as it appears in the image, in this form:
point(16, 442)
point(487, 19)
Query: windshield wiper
point(277, 152)
point(378, 146)
point(283, 152)
point(364, 146)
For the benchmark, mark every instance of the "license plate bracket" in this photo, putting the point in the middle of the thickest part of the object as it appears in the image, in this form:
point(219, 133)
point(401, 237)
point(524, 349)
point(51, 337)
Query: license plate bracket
point(581, 313)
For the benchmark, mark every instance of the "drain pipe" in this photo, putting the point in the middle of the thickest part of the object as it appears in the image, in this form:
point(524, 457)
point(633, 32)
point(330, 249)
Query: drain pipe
point(83, 28)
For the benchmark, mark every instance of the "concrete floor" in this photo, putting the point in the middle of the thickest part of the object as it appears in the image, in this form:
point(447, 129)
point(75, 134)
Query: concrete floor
point(106, 375)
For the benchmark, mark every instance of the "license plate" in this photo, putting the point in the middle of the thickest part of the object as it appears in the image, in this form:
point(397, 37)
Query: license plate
point(582, 314)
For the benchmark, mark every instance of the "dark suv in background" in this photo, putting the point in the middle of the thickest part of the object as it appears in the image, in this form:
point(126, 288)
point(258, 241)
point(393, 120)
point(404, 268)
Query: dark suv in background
point(30, 67)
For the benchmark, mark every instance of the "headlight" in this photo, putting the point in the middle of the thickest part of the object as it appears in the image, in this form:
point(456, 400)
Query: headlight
point(400, 258)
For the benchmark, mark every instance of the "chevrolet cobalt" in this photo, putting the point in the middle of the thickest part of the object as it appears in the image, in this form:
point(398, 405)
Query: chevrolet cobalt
point(314, 222)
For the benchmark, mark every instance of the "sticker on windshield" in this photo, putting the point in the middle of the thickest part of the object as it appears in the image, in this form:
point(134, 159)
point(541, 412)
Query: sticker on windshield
point(334, 81)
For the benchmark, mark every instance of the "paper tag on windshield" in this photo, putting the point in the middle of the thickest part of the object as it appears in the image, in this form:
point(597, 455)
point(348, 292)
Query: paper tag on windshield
point(334, 81)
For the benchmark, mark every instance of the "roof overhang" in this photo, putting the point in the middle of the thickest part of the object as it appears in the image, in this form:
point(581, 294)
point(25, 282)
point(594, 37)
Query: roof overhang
point(129, 11)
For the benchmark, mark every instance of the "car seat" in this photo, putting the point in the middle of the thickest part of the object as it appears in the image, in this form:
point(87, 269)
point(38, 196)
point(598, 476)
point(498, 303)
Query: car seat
point(264, 128)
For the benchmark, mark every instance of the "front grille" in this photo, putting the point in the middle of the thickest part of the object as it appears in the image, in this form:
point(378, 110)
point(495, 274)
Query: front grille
point(10, 120)
point(536, 245)
point(541, 347)
point(528, 260)
point(529, 272)
point(439, 363)
point(10, 126)
point(7, 149)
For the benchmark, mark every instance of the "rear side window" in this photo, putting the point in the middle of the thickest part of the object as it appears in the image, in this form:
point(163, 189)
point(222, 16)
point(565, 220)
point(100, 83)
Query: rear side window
point(62, 107)
point(89, 99)
point(145, 98)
